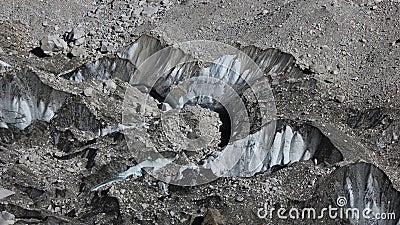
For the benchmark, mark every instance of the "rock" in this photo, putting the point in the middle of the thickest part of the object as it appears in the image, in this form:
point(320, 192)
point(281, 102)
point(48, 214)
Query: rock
point(213, 217)
point(265, 12)
point(1, 50)
point(340, 98)
point(149, 10)
point(75, 34)
point(239, 199)
point(52, 44)
point(335, 72)
point(109, 86)
point(105, 47)
point(136, 13)
point(79, 41)
point(317, 68)
point(88, 92)
point(78, 51)
point(119, 29)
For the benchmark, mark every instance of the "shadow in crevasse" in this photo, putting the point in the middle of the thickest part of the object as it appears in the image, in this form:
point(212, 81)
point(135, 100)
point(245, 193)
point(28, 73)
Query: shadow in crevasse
point(39, 52)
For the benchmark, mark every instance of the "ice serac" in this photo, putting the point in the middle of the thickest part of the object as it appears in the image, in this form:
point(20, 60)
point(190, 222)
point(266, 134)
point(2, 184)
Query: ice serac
point(364, 186)
point(5, 193)
point(271, 60)
point(141, 49)
point(104, 68)
point(291, 142)
point(25, 98)
point(296, 141)
point(122, 67)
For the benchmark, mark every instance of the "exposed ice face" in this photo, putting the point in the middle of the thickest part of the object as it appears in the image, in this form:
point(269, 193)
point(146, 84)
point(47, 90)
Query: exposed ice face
point(5, 193)
point(364, 186)
point(24, 99)
point(289, 145)
point(136, 171)
point(4, 64)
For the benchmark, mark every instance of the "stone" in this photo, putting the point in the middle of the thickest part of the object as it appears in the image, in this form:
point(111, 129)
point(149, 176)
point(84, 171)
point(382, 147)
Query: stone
point(317, 68)
point(78, 51)
point(105, 47)
point(213, 217)
point(136, 13)
point(75, 34)
point(70, 169)
point(119, 29)
point(109, 86)
point(52, 44)
point(340, 98)
point(88, 92)
point(79, 41)
point(239, 199)
point(149, 10)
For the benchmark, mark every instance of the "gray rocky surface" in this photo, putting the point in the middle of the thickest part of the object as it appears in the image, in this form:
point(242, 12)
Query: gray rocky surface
point(332, 66)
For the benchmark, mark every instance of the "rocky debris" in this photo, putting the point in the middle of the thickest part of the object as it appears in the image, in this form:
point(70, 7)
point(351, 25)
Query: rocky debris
point(213, 217)
point(109, 86)
point(75, 34)
point(79, 41)
point(78, 51)
point(88, 92)
point(52, 44)
point(149, 10)
point(390, 135)
point(297, 94)
point(106, 47)
point(6, 135)
point(319, 69)
point(340, 98)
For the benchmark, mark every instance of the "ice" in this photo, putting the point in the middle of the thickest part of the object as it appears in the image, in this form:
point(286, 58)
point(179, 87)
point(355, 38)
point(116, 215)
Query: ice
point(5, 193)
point(287, 144)
point(4, 64)
point(136, 171)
